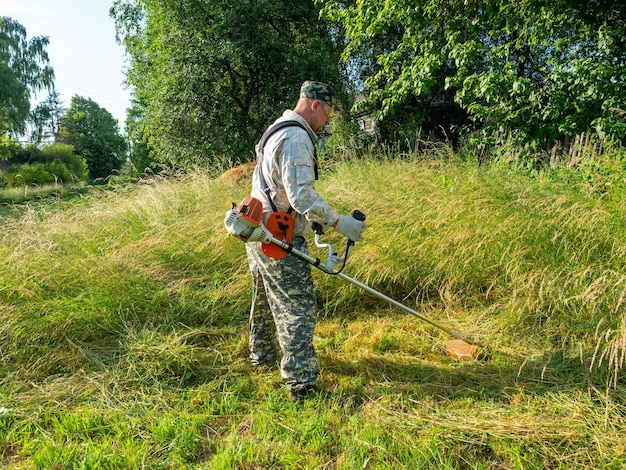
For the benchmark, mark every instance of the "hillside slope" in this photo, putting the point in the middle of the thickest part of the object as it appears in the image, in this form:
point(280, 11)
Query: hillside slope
point(123, 329)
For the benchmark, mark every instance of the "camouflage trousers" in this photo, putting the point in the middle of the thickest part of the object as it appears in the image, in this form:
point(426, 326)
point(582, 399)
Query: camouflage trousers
point(283, 307)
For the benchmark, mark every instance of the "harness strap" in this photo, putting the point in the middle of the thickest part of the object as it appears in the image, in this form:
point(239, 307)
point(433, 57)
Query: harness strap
point(266, 135)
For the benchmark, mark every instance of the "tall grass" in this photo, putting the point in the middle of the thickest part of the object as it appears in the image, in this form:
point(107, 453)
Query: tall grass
point(16, 195)
point(123, 328)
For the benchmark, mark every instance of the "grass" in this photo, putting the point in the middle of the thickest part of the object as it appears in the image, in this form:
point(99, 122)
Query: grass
point(18, 195)
point(123, 329)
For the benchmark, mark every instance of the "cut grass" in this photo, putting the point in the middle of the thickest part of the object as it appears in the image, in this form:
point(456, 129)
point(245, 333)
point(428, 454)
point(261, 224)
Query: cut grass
point(123, 329)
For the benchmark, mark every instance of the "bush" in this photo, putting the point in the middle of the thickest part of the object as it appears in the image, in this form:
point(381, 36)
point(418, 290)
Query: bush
point(55, 163)
point(64, 153)
point(38, 173)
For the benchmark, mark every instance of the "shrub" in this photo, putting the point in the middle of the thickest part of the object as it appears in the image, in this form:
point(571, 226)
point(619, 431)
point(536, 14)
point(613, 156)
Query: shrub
point(38, 173)
point(64, 153)
point(56, 163)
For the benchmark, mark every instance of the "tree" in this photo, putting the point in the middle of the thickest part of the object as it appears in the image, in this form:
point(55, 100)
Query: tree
point(46, 118)
point(141, 157)
point(210, 75)
point(95, 135)
point(539, 69)
point(24, 69)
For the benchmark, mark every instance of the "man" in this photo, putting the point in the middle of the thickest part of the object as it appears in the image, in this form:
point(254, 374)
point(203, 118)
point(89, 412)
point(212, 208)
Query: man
point(284, 303)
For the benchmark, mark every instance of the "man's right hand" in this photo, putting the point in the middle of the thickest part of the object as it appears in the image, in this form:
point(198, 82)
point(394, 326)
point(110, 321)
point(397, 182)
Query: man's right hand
point(350, 227)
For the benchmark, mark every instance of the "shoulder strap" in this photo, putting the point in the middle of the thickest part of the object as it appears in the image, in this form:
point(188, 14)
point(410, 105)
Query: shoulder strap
point(275, 128)
point(281, 125)
point(266, 135)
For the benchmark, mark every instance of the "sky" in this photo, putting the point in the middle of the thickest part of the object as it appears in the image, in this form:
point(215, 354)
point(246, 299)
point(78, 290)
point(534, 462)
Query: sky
point(82, 50)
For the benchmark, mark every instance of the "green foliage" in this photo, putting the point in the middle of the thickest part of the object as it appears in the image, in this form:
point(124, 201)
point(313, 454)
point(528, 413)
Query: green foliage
point(141, 158)
point(32, 165)
point(95, 135)
point(23, 70)
point(345, 138)
point(37, 173)
point(209, 76)
point(543, 70)
point(8, 147)
point(46, 118)
point(65, 154)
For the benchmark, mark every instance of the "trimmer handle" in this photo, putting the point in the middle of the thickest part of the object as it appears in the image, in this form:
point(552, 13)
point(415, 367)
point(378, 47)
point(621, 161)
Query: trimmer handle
point(317, 228)
point(358, 215)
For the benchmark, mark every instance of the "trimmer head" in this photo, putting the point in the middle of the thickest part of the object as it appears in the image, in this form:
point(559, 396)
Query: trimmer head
point(461, 350)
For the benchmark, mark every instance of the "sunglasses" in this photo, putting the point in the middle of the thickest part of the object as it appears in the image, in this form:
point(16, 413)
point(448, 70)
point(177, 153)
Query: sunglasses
point(329, 110)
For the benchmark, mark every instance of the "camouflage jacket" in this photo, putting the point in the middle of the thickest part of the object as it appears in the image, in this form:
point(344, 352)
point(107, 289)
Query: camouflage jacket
point(288, 167)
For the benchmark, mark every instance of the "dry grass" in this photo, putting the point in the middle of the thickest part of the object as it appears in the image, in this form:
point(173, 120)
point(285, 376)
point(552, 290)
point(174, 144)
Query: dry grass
point(240, 174)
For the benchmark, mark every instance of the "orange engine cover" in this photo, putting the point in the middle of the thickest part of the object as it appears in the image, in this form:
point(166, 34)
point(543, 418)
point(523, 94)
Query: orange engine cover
point(251, 209)
point(280, 224)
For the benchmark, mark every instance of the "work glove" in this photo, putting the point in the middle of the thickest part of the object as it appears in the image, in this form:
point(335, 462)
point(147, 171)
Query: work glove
point(350, 227)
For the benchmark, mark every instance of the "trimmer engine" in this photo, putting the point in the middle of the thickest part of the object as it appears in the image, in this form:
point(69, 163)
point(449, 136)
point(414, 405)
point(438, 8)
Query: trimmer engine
point(245, 222)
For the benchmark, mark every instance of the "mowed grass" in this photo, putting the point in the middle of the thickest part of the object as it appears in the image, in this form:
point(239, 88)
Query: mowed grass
point(123, 320)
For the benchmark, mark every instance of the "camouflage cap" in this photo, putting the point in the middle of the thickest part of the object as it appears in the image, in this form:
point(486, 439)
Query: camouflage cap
point(319, 91)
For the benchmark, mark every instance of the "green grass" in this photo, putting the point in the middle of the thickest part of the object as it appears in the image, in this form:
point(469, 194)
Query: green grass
point(18, 195)
point(123, 319)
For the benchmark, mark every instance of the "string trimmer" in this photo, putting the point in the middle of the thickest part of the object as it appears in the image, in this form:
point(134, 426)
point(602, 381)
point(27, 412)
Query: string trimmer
point(245, 223)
